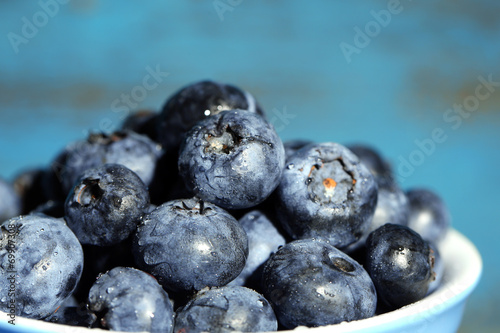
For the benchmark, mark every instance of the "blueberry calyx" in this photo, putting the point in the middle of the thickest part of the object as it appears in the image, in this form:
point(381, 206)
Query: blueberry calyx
point(88, 192)
point(199, 207)
point(323, 186)
point(340, 264)
point(223, 143)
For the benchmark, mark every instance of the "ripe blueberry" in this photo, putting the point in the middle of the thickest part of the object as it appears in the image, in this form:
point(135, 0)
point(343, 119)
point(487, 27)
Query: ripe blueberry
point(106, 204)
point(400, 264)
point(233, 159)
point(188, 244)
point(311, 283)
point(41, 262)
point(325, 191)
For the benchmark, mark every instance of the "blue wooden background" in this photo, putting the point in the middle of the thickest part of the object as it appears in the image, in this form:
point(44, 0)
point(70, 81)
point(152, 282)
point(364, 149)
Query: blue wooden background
point(409, 77)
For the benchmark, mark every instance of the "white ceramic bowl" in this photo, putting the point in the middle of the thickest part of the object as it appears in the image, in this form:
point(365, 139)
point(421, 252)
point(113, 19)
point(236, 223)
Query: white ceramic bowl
point(441, 311)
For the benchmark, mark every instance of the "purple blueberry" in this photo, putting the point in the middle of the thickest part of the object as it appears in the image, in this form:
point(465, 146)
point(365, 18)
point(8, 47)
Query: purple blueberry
point(106, 204)
point(233, 159)
point(136, 152)
point(311, 283)
point(325, 191)
point(188, 244)
point(127, 299)
point(400, 264)
point(226, 309)
point(41, 261)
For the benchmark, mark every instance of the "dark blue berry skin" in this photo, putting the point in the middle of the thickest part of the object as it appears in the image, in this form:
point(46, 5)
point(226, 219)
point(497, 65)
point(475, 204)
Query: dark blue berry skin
point(311, 283)
point(127, 299)
point(233, 159)
point(400, 264)
point(226, 309)
point(293, 145)
point(10, 202)
point(106, 204)
point(136, 152)
point(47, 261)
point(326, 192)
point(142, 122)
point(429, 215)
point(194, 103)
point(188, 244)
point(263, 240)
point(392, 207)
point(374, 161)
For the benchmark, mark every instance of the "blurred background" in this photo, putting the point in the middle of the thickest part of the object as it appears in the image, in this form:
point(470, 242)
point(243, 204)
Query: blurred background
point(418, 80)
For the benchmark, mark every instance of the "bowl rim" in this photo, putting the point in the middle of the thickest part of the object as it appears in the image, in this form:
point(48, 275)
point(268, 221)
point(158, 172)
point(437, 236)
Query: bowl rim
point(462, 272)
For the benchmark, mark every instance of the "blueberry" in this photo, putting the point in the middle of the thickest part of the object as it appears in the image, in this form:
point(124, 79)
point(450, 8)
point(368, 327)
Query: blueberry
point(190, 244)
point(233, 159)
point(41, 262)
point(429, 215)
point(326, 192)
point(263, 240)
point(10, 203)
point(127, 299)
point(311, 283)
point(226, 309)
point(106, 204)
point(136, 152)
point(400, 264)
point(194, 103)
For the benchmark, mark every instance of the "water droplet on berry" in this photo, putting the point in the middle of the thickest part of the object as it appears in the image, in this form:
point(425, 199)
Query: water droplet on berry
point(290, 166)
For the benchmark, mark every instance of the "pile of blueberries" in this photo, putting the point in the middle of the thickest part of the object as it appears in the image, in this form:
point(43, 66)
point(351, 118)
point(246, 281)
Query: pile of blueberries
point(198, 218)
